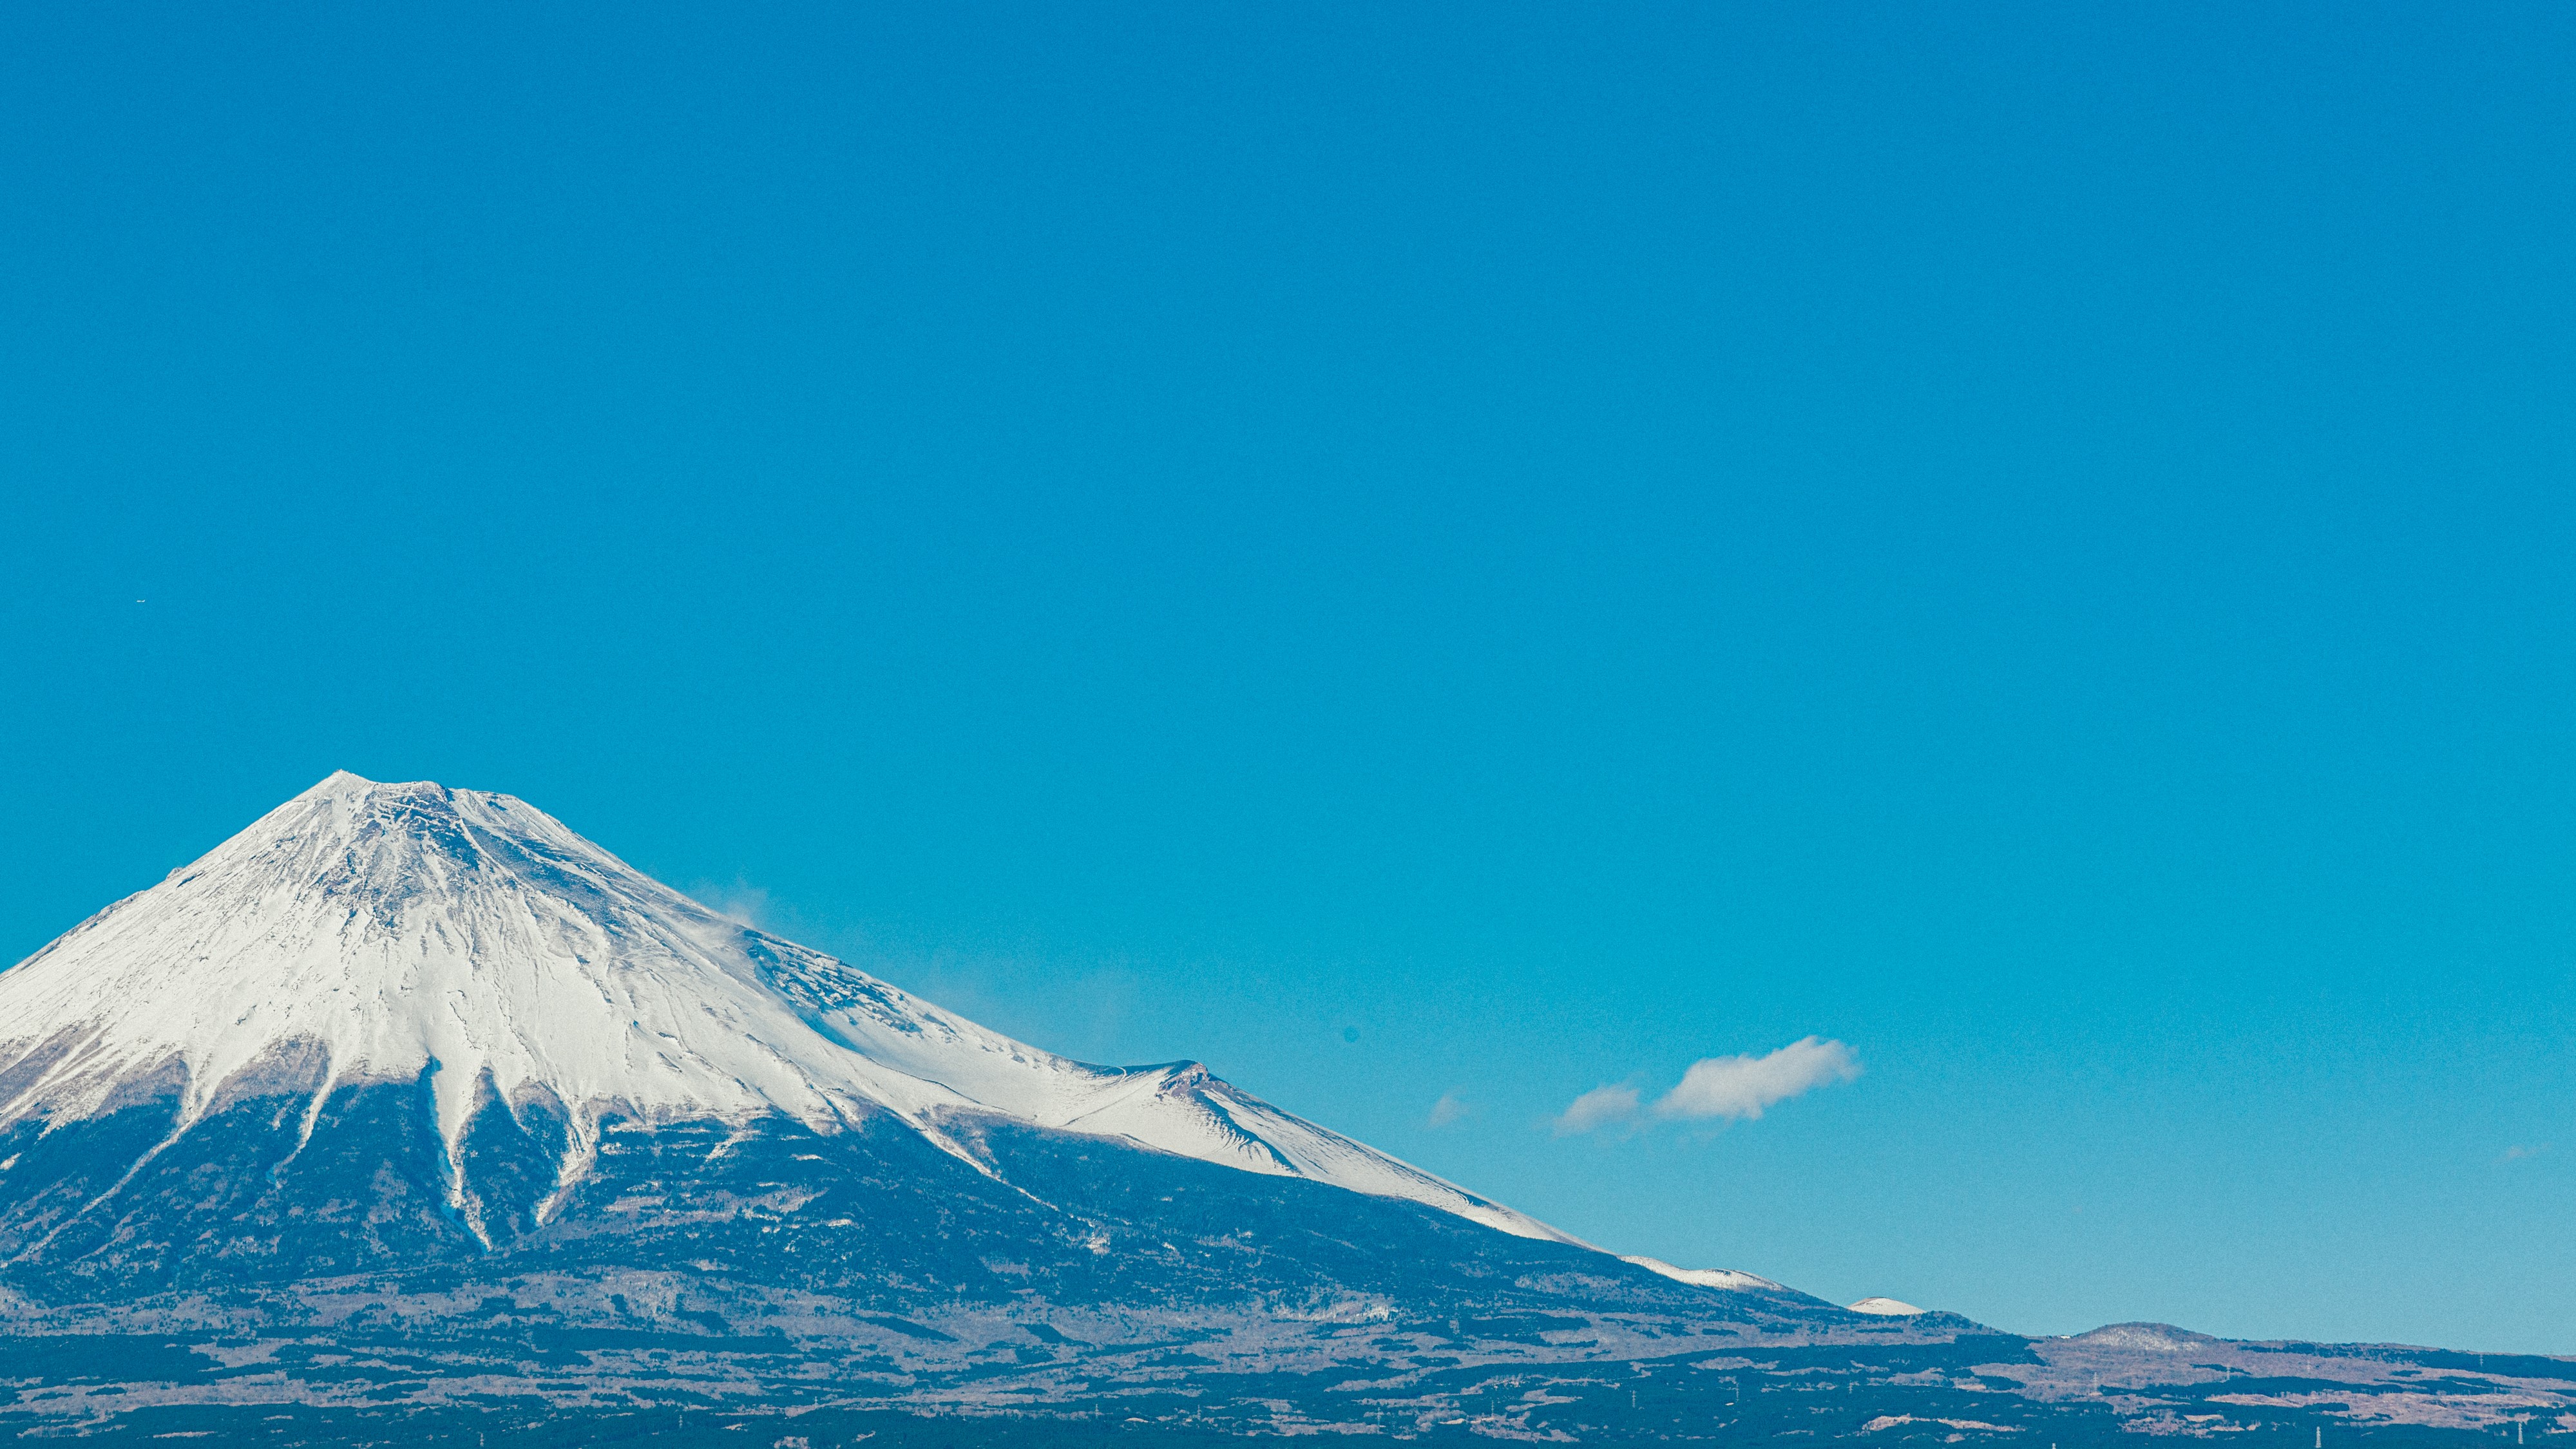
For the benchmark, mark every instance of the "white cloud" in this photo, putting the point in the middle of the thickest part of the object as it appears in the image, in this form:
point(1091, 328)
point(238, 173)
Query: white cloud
point(1731, 1088)
point(1597, 1108)
point(1448, 1110)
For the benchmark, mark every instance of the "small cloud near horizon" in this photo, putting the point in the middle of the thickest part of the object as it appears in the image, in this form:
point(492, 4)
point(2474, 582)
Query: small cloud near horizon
point(1448, 1111)
point(1738, 1088)
point(1721, 1089)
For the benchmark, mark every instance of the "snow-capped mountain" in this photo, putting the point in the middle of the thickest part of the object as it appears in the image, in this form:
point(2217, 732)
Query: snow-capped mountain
point(374, 933)
point(410, 1100)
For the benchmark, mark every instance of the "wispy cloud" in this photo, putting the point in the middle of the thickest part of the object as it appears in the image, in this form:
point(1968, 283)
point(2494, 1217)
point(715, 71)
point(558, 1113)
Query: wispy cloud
point(1597, 1108)
point(1448, 1110)
point(2517, 1152)
point(1091, 1010)
point(1720, 1089)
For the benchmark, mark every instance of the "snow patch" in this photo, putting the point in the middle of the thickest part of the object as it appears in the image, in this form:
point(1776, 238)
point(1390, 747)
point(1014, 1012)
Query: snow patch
point(1726, 1278)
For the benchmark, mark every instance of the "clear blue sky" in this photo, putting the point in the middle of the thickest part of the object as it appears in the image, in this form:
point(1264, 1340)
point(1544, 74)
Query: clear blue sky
point(2038, 542)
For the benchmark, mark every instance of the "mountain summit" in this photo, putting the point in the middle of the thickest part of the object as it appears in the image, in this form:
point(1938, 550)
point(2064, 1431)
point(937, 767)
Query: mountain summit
point(469, 943)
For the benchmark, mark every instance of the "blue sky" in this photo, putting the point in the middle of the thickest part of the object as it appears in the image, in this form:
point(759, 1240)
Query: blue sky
point(1474, 554)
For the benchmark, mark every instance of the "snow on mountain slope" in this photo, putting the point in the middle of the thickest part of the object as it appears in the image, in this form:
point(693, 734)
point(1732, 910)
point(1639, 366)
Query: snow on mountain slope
point(404, 930)
point(1726, 1278)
